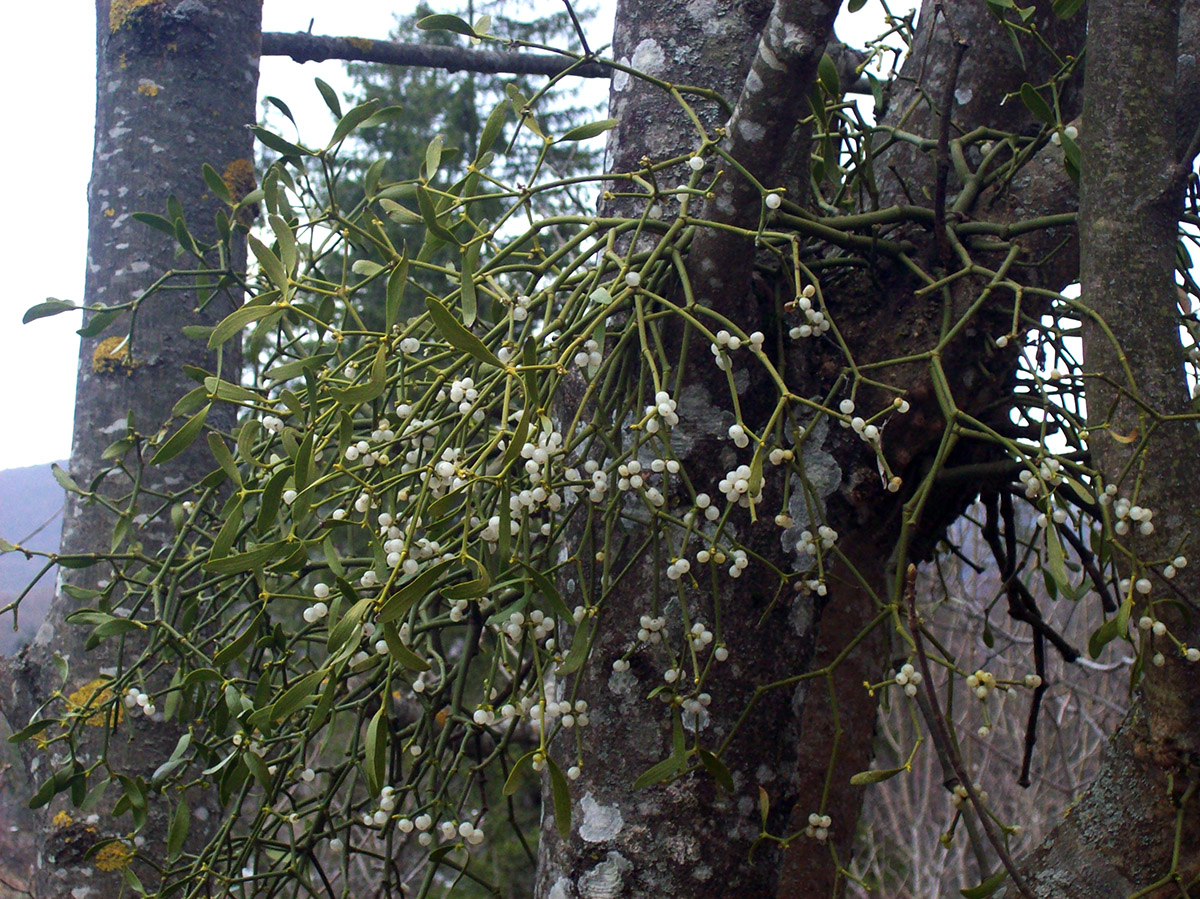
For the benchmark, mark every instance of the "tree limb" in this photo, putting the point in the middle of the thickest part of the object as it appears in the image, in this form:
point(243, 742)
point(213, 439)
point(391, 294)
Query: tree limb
point(303, 47)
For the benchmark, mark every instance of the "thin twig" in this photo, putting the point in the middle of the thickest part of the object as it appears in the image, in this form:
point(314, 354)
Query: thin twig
point(941, 737)
point(587, 51)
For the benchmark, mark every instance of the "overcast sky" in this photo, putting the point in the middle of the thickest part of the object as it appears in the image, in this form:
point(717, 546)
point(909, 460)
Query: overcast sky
point(46, 159)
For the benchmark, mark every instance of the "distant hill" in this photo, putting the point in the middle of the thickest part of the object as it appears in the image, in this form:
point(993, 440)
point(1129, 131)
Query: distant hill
point(31, 504)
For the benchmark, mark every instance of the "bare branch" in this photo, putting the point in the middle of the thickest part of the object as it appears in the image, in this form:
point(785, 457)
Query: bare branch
point(304, 47)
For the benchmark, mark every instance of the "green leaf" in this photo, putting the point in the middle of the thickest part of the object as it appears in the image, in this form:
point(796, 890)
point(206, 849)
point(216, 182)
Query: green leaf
point(491, 130)
point(216, 446)
point(271, 264)
point(30, 730)
point(987, 888)
point(717, 769)
point(383, 116)
point(399, 213)
point(1102, 636)
point(590, 130)
point(377, 750)
point(664, 770)
point(236, 320)
point(433, 156)
point(341, 633)
point(48, 308)
point(330, 97)
point(282, 107)
point(396, 283)
point(98, 322)
point(473, 588)
point(545, 586)
point(257, 767)
point(470, 264)
point(297, 367)
point(286, 241)
point(874, 776)
point(223, 542)
point(275, 142)
point(216, 184)
point(521, 106)
point(373, 388)
point(397, 604)
point(446, 23)
point(183, 438)
point(1064, 9)
point(764, 807)
point(259, 557)
point(64, 480)
point(220, 389)
point(562, 798)
point(1055, 559)
point(298, 694)
point(827, 74)
point(430, 217)
point(513, 783)
point(581, 645)
point(1034, 102)
point(352, 120)
point(456, 335)
point(157, 222)
point(178, 830)
point(399, 651)
point(855, 5)
point(173, 761)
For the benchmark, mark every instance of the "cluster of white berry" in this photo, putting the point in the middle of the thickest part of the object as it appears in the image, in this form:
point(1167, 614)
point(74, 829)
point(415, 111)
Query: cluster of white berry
point(981, 683)
point(818, 826)
point(1129, 515)
point(813, 545)
point(520, 308)
point(908, 677)
point(650, 628)
point(662, 410)
point(135, 698)
point(735, 487)
point(815, 323)
point(589, 355)
point(726, 343)
point(959, 795)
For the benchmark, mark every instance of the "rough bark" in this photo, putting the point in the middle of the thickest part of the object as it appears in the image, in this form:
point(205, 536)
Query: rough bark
point(1135, 159)
point(176, 85)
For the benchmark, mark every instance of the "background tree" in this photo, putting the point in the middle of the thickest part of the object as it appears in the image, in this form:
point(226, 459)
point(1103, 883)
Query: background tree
point(175, 87)
point(537, 529)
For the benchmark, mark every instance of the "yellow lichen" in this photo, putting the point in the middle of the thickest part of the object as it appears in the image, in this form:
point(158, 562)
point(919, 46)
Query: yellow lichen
point(122, 62)
point(114, 856)
point(92, 696)
point(111, 355)
point(120, 11)
point(110, 212)
point(148, 88)
point(62, 819)
point(239, 178)
point(360, 43)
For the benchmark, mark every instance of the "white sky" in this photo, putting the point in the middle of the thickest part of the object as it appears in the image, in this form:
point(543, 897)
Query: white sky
point(46, 161)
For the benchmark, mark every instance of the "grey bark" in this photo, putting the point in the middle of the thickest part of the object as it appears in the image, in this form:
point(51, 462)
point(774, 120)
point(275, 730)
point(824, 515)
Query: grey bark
point(1137, 151)
point(176, 84)
point(317, 47)
point(657, 840)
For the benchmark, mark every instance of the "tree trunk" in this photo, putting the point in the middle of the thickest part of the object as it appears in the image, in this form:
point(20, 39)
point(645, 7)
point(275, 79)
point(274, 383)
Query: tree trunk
point(1136, 828)
point(176, 84)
